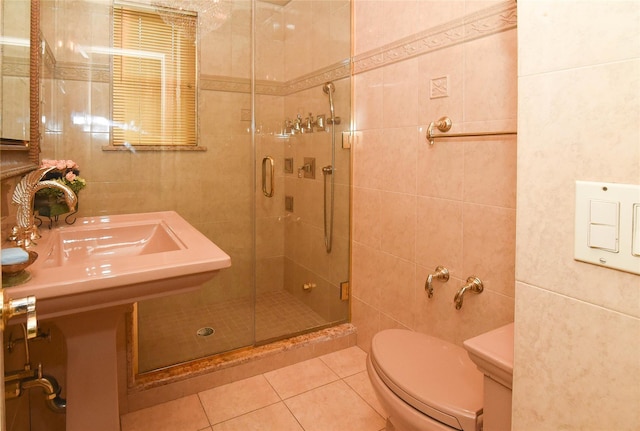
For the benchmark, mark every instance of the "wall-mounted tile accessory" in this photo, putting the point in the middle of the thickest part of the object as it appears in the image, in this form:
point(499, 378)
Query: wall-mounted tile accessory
point(439, 87)
point(288, 165)
point(607, 225)
point(288, 203)
point(440, 273)
point(474, 284)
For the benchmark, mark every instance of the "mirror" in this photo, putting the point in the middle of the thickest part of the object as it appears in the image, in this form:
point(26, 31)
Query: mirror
point(20, 89)
point(15, 71)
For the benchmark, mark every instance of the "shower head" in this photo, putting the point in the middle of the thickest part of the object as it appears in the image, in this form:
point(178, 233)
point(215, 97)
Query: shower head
point(329, 89)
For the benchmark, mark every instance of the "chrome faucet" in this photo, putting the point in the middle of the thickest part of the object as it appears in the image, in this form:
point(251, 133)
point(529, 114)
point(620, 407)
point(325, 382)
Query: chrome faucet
point(474, 284)
point(26, 231)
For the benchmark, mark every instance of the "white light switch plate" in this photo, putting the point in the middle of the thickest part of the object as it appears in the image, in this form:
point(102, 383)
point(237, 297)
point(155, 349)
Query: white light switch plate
point(599, 250)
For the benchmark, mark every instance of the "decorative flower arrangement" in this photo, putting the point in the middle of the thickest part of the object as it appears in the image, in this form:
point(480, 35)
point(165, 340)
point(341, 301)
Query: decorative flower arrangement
point(50, 202)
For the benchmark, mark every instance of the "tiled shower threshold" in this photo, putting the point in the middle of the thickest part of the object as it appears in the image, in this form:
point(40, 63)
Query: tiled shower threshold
point(164, 385)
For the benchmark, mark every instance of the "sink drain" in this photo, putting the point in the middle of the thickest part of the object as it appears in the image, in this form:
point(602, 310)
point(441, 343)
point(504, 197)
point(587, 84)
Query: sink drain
point(205, 332)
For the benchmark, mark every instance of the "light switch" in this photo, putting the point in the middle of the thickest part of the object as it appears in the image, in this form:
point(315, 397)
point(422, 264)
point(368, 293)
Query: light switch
point(607, 225)
point(603, 226)
point(604, 237)
point(604, 212)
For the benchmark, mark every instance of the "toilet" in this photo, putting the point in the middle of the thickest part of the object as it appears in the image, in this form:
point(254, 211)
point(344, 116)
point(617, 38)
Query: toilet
point(424, 383)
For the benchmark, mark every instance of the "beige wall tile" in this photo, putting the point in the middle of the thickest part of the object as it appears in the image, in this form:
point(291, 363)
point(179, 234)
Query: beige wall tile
point(396, 173)
point(369, 90)
point(398, 224)
point(575, 357)
point(564, 151)
point(568, 24)
point(490, 171)
point(439, 234)
point(574, 320)
point(441, 170)
point(489, 250)
point(490, 65)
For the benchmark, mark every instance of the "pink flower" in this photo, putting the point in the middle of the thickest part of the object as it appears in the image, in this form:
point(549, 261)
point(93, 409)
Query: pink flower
point(61, 165)
point(70, 176)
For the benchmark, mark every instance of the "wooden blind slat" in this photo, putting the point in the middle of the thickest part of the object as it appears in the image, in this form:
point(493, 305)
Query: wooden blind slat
point(154, 84)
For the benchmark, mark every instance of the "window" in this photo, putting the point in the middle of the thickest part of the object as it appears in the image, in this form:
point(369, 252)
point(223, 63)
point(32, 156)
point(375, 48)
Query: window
point(154, 81)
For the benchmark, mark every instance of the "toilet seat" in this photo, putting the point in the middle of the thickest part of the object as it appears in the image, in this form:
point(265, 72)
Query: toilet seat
point(433, 376)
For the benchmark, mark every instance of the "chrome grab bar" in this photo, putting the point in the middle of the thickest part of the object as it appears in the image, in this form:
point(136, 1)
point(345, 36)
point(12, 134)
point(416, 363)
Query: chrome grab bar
point(444, 125)
point(265, 161)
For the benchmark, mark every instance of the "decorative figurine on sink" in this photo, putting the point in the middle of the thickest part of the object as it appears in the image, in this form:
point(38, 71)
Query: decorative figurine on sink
point(26, 231)
point(50, 202)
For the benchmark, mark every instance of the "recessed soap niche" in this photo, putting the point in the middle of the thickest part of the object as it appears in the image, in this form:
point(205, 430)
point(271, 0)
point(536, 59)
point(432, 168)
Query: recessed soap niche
point(288, 165)
point(288, 203)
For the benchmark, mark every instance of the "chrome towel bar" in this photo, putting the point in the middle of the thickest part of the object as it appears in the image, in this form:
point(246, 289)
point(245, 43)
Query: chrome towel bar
point(444, 125)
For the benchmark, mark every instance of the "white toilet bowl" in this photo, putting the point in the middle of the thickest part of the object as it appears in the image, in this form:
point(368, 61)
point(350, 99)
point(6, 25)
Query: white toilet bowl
point(424, 383)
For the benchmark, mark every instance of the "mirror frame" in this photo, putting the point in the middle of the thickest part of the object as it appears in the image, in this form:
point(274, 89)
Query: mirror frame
point(19, 157)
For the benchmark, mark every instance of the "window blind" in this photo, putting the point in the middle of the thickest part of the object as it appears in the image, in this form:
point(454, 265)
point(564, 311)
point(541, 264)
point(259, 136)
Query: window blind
point(154, 80)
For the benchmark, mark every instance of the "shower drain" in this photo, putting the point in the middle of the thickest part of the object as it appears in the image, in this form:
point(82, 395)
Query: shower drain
point(205, 332)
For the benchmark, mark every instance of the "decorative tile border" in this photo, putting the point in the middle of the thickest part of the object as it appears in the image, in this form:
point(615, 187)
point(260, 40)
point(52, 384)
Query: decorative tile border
point(488, 21)
point(275, 88)
point(15, 66)
point(492, 20)
point(83, 72)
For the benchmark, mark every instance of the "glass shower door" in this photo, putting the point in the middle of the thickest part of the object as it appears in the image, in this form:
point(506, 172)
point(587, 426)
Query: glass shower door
point(302, 169)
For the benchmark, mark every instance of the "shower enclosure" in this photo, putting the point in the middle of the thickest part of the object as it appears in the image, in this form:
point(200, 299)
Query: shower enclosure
point(268, 182)
point(282, 186)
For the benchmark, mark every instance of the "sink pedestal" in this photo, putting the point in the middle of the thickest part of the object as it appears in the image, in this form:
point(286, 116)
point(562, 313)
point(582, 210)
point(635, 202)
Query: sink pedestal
point(92, 369)
point(86, 278)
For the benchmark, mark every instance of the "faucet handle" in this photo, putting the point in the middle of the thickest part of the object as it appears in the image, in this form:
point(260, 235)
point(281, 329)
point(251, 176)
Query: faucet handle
point(441, 273)
point(474, 284)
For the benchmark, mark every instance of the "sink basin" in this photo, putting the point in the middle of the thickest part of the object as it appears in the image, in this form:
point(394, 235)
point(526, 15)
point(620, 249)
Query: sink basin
point(105, 261)
point(111, 240)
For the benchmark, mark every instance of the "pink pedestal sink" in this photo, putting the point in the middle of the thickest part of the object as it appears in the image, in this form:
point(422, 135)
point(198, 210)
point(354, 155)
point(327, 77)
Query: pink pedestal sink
point(85, 277)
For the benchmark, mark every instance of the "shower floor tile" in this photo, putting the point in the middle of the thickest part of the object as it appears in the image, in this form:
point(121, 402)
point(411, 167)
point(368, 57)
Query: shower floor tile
point(169, 337)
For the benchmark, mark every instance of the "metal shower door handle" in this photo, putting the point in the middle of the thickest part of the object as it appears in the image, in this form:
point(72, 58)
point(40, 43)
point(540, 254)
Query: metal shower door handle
point(267, 161)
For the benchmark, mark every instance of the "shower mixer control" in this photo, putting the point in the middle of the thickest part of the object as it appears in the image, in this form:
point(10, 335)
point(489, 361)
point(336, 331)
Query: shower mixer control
point(308, 124)
point(308, 170)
